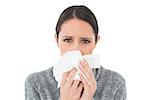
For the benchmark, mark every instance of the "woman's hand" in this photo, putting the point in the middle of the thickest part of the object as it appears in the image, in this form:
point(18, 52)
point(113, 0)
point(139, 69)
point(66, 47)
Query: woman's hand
point(90, 86)
point(70, 89)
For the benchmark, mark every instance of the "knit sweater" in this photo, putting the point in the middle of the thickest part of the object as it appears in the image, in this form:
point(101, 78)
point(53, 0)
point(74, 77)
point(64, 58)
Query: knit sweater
point(43, 85)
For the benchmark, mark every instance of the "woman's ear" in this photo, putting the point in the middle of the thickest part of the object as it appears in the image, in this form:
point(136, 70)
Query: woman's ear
point(98, 38)
point(56, 39)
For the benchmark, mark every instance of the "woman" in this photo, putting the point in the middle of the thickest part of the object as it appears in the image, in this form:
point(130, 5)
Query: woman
point(77, 29)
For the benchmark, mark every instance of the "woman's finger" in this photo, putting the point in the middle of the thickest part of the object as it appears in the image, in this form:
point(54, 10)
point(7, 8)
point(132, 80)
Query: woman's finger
point(86, 74)
point(87, 66)
point(86, 85)
point(80, 89)
point(75, 84)
point(86, 70)
point(71, 77)
point(64, 78)
point(89, 89)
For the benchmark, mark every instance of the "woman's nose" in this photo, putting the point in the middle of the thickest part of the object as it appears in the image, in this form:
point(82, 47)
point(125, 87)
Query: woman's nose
point(75, 46)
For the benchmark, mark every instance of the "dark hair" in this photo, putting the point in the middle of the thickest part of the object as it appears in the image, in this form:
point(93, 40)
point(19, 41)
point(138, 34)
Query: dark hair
point(81, 12)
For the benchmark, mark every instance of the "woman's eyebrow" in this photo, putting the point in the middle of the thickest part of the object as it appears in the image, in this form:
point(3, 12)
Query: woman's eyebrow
point(85, 38)
point(67, 36)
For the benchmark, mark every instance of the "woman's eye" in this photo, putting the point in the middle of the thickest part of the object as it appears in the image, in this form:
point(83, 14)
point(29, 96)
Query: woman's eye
point(85, 41)
point(67, 40)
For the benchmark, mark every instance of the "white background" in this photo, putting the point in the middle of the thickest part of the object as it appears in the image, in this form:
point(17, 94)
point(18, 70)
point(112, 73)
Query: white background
point(27, 43)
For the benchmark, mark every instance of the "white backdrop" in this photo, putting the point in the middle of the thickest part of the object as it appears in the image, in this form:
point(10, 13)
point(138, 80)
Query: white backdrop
point(27, 43)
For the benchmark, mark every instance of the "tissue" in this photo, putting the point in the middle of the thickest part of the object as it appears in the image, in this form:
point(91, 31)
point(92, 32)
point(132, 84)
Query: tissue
point(72, 59)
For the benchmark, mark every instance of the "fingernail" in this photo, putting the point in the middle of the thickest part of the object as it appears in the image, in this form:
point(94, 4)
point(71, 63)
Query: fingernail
point(81, 61)
point(85, 61)
point(74, 69)
point(80, 65)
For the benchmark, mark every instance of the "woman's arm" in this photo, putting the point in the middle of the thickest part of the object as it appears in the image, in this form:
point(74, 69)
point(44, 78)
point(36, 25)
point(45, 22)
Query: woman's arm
point(31, 92)
point(121, 92)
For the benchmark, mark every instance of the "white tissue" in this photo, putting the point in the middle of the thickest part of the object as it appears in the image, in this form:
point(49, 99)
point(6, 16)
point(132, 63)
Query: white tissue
point(72, 59)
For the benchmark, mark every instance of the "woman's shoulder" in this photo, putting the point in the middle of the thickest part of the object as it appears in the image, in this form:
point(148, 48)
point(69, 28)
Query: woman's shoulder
point(110, 83)
point(103, 75)
point(41, 76)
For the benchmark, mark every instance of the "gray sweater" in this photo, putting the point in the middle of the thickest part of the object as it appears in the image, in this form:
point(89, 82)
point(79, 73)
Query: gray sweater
point(43, 85)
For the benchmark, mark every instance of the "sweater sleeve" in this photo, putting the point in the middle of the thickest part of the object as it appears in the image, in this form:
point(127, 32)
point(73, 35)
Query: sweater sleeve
point(121, 92)
point(31, 91)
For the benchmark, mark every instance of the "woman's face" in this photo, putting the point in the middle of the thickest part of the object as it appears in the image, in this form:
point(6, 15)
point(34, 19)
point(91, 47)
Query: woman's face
point(76, 34)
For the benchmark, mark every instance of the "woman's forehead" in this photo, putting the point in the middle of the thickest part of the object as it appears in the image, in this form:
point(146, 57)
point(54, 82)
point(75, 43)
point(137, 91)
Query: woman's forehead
point(76, 26)
point(77, 35)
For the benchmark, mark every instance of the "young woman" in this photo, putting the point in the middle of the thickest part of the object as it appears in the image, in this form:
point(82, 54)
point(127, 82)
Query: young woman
point(77, 29)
